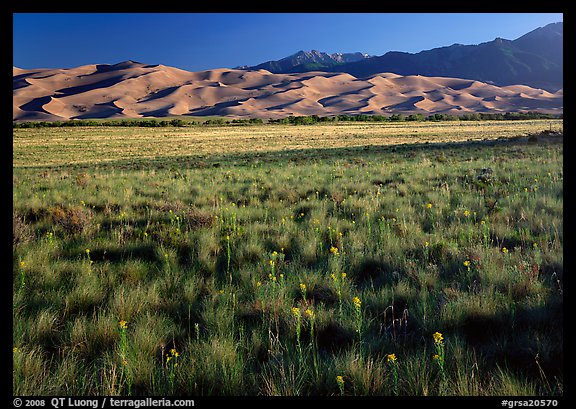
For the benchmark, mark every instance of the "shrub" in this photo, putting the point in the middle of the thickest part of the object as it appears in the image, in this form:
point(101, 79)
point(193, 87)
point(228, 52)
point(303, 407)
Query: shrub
point(198, 218)
point(72, 220)
point(21, 231)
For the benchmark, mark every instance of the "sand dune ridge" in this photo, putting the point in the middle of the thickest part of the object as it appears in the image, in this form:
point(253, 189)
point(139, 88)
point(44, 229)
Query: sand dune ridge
point(132, 89)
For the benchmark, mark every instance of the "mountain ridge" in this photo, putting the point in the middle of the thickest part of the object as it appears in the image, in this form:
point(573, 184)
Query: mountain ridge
point(534, 59)
point(302, 61)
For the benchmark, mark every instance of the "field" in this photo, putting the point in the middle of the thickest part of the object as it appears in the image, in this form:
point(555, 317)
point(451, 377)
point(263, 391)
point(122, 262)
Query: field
point(351, 259)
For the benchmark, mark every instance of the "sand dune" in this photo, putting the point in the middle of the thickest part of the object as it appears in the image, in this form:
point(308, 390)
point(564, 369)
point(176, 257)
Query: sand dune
point(132, 89)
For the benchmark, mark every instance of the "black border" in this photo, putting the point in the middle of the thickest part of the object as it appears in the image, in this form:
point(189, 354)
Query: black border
point(550, 6)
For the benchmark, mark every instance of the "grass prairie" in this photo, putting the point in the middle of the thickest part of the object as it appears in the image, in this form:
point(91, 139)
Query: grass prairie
point(414, 259)
point(96, 145)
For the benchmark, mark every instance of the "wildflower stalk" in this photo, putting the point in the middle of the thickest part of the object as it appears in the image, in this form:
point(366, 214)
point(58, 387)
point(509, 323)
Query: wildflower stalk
point(391, 360)
point(172, 364)
point(369, 224)
point(167, 261)
point(303, 291)
point(358, 313)
point(340, 382)
point(297, 316)
point(50, 237)
point(439, 359)
point(124, 375)
point(430, 214)
point(197, 331)
point(339, 281)
point(228, 257)
point(89, 260)
point(312, 317)
point(22, 265)
point(485, 234)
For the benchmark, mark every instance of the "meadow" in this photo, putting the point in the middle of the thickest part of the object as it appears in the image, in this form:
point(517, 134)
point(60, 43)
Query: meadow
point(342, 259)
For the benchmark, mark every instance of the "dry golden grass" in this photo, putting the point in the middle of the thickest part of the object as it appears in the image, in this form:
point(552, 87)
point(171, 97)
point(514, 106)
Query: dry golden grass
point(92, 145)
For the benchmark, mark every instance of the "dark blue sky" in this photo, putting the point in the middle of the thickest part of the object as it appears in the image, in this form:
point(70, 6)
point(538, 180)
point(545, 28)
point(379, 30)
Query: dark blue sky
point(204, 41)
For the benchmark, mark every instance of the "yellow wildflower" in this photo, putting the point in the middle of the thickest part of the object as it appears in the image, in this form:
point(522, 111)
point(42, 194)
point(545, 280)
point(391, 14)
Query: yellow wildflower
point(302, 286)
point(123, 324)
point(296, 312)
point(466, 213)
point(309, 313)
point(343, 275)
point(437, 337)
point(334, 250)
point(504, 250)
point(466, 263)
point(357, 302)
point(391, 358)
point(429, 206)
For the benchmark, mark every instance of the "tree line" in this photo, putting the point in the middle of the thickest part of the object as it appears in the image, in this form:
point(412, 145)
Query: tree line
point(291, 120)
point(477, 116)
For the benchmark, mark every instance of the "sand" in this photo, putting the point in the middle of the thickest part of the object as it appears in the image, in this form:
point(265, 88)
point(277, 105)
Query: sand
point(132, 90)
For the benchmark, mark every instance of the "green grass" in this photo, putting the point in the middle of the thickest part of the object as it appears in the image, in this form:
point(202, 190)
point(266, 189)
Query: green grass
point(204, 257)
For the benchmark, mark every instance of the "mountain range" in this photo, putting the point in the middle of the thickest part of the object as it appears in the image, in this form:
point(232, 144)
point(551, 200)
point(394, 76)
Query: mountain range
point(534, 59)
point(304, 61)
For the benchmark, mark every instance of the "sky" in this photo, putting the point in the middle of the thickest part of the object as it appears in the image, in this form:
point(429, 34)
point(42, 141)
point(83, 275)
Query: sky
point(201, 41)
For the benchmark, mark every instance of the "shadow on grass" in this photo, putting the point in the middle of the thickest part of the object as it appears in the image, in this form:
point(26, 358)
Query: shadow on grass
point(305, 156)
point(143, 252)
point(520, 340)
